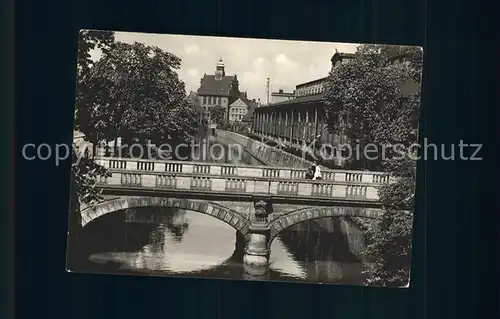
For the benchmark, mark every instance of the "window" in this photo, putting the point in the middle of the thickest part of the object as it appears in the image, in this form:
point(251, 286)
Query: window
point(205, 100)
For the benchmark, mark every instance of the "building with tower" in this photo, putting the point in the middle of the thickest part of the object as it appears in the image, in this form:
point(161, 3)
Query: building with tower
point(218, 89)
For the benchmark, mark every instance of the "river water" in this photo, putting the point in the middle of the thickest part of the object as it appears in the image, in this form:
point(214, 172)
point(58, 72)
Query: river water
point(185, 243)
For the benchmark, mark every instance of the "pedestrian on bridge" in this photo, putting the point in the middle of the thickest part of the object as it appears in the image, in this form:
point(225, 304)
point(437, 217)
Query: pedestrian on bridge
point(310, 172)
point(317, 173)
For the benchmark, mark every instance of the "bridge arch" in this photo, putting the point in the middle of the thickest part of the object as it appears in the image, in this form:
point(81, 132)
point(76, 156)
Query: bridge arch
point(224, 214)
point(284, 221)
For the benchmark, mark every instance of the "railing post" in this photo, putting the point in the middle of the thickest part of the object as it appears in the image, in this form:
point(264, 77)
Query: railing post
point(256, 258)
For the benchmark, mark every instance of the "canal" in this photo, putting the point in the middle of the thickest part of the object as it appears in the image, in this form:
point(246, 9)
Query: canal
point(177, 242)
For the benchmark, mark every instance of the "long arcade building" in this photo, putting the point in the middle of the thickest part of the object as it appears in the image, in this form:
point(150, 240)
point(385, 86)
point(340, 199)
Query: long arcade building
point(301, 119)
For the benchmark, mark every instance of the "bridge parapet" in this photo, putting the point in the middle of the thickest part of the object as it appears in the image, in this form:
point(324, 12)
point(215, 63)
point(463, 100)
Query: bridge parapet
point(240, 171)
point(241, 187)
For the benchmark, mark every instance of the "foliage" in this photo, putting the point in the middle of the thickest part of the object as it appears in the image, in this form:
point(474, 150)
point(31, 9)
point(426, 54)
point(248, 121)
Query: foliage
point(84, 173)
point(135, 93)
point(218, 115)
point(88, 40)
point(391, 236)
point(378, 95)
point(242, 127)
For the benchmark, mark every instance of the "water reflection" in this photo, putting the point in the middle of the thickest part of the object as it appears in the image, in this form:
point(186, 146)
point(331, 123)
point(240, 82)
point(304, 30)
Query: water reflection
point(189, 243)
point(200, 242)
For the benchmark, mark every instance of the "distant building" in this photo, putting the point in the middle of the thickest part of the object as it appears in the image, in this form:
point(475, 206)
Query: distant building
point(317, 86)
point(339, 58)
point(310, 88)
point(240, 108)
point(218, 89)
point(281, 96)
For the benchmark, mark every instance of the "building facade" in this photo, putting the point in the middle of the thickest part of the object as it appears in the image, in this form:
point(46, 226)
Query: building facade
point(218, 89)
point(281, 96)
point(310, 88)
point(237, 110)
point(240, 108)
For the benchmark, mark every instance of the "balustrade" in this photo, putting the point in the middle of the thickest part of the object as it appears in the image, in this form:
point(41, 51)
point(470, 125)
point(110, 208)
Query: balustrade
point(131, 179)
point(173, 167)
point(228, 170)
point(120, 164)
point(201, 169)
point(166, 181)
point(242, 185)
point(353, 177)
point(298, 174)
point(270, 172)
point(288, 188)
point(244, 171)
point(236, 185)
point(145, 166)
point(322, 190)
point(328, 175)
point(380, 179)
point(356, 191)
point(201, 183)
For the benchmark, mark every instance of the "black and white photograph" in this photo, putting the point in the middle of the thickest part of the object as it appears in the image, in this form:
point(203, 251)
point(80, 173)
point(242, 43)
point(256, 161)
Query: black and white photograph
point(244, 159)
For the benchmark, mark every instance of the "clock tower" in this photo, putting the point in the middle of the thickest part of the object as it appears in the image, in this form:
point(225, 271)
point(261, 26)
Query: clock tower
point(219, 70)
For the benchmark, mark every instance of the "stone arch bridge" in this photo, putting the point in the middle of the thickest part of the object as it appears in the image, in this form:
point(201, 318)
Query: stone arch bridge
point(259, 222)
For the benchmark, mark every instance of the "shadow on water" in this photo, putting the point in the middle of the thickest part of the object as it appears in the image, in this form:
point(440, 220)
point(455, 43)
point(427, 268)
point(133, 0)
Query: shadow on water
point(174, 242)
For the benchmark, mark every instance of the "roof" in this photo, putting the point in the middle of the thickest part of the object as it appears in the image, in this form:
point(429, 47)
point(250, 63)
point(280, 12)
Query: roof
point(252, 105)
point(340, 55)
point(210, 86)
point(193, 96)
point(310, 82)
point(299, 100)
point(249, 103)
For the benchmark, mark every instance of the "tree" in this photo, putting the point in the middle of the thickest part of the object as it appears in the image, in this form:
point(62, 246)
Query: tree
point(378, 94)
point(137, 95)
point(86, 119)
point(89, 40)
point(391, 236)
point(217, 115)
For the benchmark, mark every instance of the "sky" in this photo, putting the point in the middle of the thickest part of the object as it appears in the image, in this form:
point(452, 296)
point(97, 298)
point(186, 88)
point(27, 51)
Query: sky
point(285, 63)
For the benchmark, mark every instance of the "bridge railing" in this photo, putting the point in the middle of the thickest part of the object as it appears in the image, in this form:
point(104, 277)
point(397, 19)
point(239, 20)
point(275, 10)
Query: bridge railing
point(256, 185)
point(241, 171)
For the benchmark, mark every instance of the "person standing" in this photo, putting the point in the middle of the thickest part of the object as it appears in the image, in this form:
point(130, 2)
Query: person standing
point(317, 173)
point(310, 172)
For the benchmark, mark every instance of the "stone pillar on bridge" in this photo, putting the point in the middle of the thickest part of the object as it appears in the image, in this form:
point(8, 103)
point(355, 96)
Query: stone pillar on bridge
point(256, 258)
